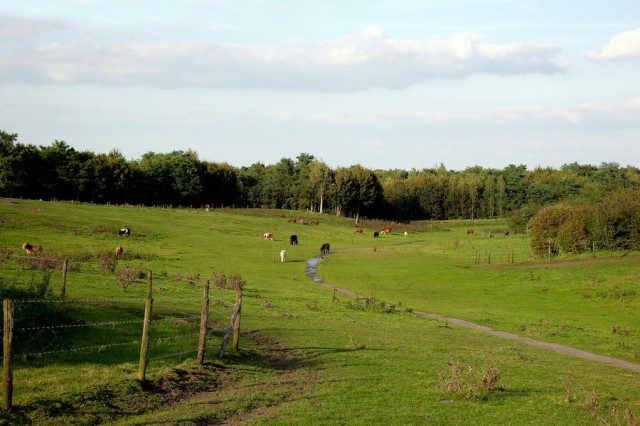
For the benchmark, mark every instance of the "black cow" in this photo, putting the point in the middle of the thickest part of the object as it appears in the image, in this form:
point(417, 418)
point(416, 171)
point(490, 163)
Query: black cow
point(124, 232)
point(325, 248)
point(376, 234)
point(293, 239)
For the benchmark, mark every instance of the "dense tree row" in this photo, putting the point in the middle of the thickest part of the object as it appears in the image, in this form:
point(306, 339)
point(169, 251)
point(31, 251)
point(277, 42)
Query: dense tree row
point(181, 178)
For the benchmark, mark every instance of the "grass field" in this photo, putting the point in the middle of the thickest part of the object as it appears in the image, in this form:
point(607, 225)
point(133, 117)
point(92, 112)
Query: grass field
point(306, 358)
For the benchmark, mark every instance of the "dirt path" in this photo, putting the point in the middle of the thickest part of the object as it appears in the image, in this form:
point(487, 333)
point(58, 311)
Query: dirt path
point(312, 274)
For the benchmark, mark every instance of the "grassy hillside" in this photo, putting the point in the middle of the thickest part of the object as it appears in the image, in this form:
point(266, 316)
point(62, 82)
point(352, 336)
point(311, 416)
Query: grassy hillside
point(305, 357)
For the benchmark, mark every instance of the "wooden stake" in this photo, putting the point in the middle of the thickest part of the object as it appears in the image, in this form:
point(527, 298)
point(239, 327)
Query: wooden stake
point(225, 340)
point(146, 330)
point(489, 258)
point(65, 268)
point(549, 253)
point(7, 347)
point(203, 323)
point(236, 324)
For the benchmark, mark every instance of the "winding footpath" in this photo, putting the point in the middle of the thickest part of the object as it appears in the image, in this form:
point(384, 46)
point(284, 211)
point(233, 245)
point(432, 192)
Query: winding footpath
point(312, 274)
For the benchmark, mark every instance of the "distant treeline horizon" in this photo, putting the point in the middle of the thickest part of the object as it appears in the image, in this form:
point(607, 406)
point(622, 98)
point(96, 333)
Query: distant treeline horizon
point(180, 178)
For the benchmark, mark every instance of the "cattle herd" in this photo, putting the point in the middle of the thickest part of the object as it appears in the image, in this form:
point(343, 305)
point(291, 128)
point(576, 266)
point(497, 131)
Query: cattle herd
point(325, 248)
point(36, 249)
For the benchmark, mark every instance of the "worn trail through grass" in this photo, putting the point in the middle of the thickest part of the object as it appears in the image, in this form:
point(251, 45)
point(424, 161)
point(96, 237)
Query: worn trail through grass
point(312, 273)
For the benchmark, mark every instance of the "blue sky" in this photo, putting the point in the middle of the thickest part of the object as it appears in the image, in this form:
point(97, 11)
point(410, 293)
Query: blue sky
point(382, 83)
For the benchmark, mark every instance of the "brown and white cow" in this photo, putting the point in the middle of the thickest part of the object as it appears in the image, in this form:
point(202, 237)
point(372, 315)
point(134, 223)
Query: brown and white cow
point(119, 250)
point(470, 232)
point(358, 231)
point(386, 230)
point(325, 248)
point(32, 248)
point(268, 236)
point(314, 222)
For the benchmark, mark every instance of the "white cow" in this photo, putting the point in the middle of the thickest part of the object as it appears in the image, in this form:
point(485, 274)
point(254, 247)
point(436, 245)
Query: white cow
point(283, 256)
point(406, 234)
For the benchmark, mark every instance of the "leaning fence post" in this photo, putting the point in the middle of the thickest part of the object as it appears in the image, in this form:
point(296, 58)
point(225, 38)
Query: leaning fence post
point(236, 324)
point(7, 343)
point(146, 329)
point(225, 339)
point(203, 323)
point(65, 268)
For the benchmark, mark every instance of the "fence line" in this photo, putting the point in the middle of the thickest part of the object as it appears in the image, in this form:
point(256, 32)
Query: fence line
point(147, 344)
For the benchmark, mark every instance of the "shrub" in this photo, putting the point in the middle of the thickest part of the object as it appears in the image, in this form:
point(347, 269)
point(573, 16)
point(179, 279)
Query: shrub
point(574, 235)
point(545, 227)
point(615, 222)
point(518, 220)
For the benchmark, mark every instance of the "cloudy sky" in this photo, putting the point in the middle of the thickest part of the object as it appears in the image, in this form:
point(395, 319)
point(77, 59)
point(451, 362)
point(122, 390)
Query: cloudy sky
point(384, 83)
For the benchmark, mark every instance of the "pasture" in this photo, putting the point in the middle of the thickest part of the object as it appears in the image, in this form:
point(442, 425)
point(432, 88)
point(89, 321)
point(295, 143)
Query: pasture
point(306, 357)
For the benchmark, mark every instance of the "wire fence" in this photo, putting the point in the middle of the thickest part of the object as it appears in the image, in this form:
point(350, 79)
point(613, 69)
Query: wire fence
point(157, 318)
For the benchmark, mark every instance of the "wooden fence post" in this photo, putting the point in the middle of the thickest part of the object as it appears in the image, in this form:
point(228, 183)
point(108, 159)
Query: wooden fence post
point(146, 330)
point(203, 323)
point(549, 253)
point(225, 340)
point(65, 268)
point(593, 249)
point(7, 346)
point(489, 258)
point(236, 324)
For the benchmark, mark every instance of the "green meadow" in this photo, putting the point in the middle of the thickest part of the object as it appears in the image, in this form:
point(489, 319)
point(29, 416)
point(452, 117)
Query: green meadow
point(307, 357)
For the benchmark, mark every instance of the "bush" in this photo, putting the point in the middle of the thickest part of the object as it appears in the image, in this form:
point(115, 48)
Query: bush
point(612, 223)
point(574, 235)
point(616, 220)
point(518, 220)
point(545, 227)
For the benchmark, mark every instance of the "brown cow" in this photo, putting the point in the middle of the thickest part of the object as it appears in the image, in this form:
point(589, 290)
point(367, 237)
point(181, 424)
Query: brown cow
point(358, 231)
point(325, 248)
point(119, 250)
point(470, 232)
point(292, 220)
point(302, 220)
point(314, 222)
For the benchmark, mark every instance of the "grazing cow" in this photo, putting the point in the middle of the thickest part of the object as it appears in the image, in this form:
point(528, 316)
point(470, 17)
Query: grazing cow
point(292, 220)
point(358, 231)
point(314, 222)
point(325, 248)
point(124, 232)
point(268, 236)
point(470, 232)
point(119, 251)
point(32, 248)
point(293, 240)
point(302, 220)
point(406, 234)
point(507, 233)
point(386, 230)
point(283, 256)
point(206, 207)
point(376, 234)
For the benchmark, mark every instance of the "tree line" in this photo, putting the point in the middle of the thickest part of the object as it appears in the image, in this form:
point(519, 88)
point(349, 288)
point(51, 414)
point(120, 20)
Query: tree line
point(180, 178)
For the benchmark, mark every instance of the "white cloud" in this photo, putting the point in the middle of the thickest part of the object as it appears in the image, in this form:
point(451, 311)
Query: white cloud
point(614, 114)
point(17, 27)
point(625, 45)
point(354, 62)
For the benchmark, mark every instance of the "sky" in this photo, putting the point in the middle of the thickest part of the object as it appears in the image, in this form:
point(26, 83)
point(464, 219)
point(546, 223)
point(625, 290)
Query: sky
point(383, 83)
